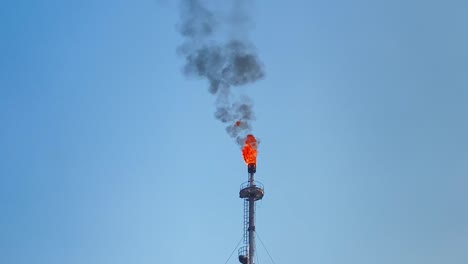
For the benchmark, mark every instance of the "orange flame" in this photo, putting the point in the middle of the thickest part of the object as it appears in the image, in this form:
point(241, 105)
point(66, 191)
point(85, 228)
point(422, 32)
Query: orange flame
point(238, 123)
point(250, 149)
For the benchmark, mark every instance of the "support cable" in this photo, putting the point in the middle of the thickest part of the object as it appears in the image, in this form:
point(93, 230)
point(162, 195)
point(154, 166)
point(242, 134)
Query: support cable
point(259, 238)
point(234, 250)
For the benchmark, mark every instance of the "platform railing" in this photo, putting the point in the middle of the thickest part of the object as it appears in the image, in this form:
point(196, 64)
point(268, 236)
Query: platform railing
point(255, 184)
point(243, 251)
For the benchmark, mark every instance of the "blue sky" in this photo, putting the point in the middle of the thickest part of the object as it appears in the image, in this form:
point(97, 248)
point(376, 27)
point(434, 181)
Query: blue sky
point(108, 154)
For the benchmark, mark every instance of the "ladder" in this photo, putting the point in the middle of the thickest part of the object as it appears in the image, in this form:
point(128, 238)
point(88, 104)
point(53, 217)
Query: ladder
point(246, 221)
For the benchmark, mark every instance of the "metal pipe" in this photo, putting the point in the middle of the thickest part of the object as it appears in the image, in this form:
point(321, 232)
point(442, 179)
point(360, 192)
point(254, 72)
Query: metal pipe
point(251, 223)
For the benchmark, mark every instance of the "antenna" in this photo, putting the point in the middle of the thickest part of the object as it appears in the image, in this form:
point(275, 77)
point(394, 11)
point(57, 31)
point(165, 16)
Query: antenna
point(251, 191)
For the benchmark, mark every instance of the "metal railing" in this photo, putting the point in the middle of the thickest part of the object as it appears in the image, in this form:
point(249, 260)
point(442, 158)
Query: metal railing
point(243, 251)
point(255, 184)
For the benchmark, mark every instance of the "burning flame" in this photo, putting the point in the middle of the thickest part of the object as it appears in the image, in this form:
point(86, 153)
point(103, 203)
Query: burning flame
point(250, 149)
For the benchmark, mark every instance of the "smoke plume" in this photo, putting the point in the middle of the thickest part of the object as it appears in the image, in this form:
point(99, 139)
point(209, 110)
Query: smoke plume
point(224, 64)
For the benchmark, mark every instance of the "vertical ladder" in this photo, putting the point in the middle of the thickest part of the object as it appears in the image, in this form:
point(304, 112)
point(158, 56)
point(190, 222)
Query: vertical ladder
point(246, 221)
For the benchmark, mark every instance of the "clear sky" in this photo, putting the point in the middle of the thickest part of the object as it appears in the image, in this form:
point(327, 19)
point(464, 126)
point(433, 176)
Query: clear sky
point(108, 154)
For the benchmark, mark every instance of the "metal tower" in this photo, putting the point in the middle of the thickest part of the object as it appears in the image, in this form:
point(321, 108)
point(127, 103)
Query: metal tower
point(251, 191)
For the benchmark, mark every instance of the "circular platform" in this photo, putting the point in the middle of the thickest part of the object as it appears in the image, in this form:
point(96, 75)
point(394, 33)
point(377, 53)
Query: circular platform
point(252, 191)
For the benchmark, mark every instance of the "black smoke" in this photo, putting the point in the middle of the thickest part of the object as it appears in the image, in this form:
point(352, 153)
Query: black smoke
point(224, 64)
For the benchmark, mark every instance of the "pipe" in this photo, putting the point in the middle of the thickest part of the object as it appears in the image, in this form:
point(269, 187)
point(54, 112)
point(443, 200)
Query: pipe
point(251, 223)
